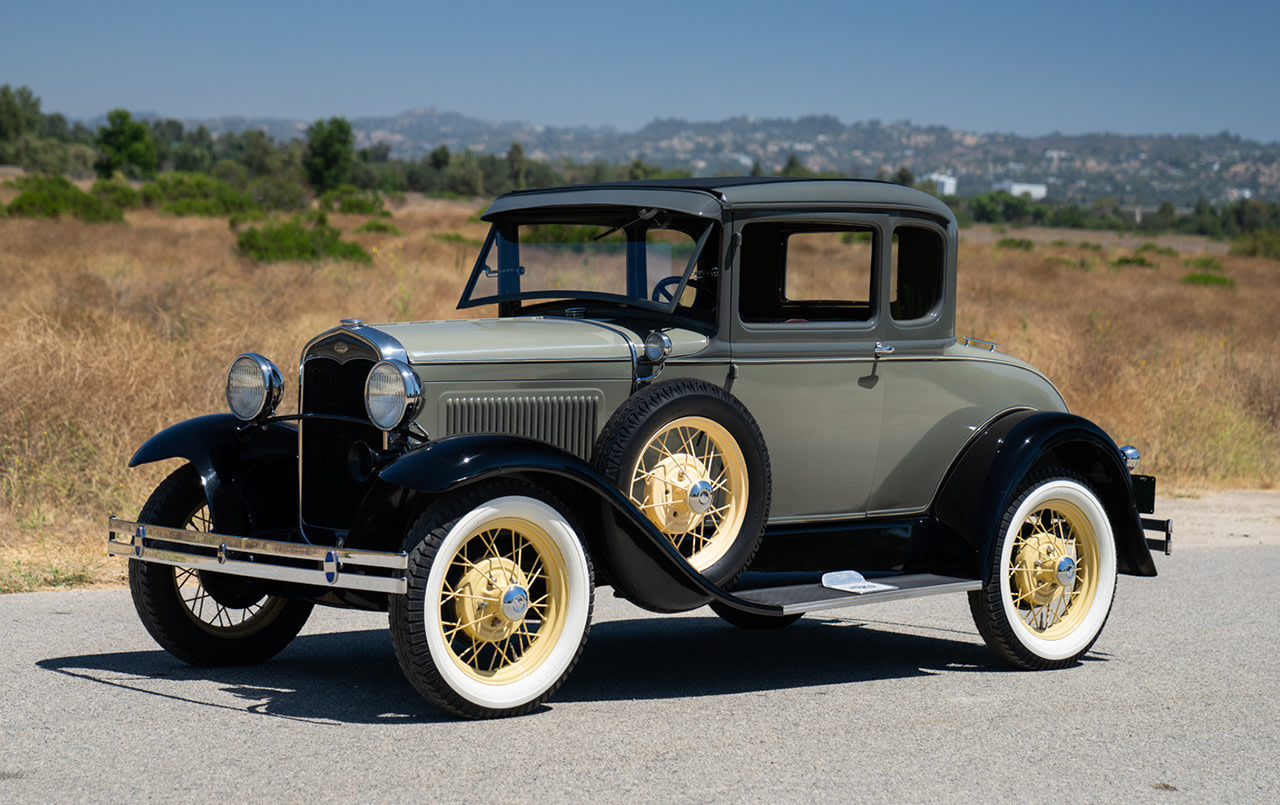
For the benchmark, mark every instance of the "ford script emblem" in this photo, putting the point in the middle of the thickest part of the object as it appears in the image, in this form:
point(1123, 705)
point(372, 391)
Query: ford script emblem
point(341, 348)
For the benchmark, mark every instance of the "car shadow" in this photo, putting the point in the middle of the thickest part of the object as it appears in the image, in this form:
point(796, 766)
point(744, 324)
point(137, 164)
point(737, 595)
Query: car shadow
point(676, 657)
point(353, 677)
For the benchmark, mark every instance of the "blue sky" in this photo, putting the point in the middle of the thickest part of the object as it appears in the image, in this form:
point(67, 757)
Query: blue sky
point(1028, 68)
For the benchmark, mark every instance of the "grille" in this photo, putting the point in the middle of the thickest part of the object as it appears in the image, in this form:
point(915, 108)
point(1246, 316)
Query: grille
point(330, 495)
point(568, 421)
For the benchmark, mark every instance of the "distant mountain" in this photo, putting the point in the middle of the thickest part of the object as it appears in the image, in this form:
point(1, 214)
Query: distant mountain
point(1146, 169)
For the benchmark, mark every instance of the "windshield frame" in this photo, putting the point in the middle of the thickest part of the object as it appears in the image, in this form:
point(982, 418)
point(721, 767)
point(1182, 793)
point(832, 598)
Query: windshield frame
point(481, 268)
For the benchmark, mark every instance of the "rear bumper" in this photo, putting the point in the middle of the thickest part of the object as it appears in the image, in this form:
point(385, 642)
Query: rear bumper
point(1163, 526)
point(315, 565)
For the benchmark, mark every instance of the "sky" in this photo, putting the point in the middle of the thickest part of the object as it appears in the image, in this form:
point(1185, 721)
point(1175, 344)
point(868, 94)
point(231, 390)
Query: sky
point(1026, 68)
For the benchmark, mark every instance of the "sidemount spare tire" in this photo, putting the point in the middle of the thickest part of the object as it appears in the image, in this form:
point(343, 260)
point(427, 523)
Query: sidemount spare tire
point(693, 460)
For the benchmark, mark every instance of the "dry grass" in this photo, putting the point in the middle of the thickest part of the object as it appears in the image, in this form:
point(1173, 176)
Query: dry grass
point(112, 332)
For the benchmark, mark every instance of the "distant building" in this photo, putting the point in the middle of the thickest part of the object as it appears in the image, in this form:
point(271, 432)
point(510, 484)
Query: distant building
point(1035, 192)
point(946, 184)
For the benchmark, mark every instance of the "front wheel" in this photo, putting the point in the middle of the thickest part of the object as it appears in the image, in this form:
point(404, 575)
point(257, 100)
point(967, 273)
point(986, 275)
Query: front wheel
point(1053, 576)
point(201, 617)
point(499, 600)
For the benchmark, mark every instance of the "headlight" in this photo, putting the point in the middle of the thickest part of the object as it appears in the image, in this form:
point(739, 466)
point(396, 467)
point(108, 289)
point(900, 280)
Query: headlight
point(392, 395)
point(657, 346)
point(254, 386)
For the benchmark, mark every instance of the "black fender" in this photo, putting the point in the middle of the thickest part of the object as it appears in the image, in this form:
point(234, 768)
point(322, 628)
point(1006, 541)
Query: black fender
point(249, 472)
point(640, 562)
point(982, 482)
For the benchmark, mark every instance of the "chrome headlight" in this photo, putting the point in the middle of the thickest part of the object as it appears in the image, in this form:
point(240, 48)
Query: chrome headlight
point(657, 346)
point(254, 386)
point(392, 395)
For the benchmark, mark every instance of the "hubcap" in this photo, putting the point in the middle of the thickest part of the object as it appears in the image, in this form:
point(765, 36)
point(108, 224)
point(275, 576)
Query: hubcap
point(493, 599)
point(670, 486)
point(1066, 573)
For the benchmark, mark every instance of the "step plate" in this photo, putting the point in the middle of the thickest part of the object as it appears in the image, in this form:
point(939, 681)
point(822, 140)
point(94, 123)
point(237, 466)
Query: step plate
point(801, 598)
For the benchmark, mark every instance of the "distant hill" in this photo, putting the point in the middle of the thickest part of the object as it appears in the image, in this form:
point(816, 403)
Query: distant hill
point(1144, 169)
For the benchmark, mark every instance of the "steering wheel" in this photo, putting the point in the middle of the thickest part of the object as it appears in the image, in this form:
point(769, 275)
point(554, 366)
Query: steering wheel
point(664, 291)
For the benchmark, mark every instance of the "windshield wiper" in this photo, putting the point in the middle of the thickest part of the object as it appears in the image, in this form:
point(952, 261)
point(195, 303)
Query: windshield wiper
point(641, 215)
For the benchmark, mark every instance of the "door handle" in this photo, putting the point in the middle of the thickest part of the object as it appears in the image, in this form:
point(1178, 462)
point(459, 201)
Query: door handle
point(883, 349)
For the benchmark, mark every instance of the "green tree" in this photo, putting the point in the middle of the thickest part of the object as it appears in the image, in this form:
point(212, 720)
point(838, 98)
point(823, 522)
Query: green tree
point(19, 113)
point(904, 177)
point(517, 166)
point(439, 158)
point(794, 167)
point(464, 176)
point(330, 154)
point(126, 145)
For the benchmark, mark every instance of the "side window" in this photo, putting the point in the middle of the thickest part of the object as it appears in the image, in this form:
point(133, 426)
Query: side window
point(915, 288)
point(806, 272)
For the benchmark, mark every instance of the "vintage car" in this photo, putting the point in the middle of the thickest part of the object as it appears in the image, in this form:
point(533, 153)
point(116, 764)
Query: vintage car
point(740, 392)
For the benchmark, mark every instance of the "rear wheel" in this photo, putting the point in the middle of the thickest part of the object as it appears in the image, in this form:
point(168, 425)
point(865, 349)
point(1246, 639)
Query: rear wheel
point(1053, 576)
point(201, 617)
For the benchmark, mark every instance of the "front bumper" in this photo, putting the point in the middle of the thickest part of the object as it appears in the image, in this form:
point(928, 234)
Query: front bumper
point(315, 565)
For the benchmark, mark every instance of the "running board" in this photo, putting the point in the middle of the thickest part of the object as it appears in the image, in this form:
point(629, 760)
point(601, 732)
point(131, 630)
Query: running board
point(800, 598)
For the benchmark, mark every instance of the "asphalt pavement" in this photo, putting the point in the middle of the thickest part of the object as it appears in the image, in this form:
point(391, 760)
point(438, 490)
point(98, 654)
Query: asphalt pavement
point(894, 702)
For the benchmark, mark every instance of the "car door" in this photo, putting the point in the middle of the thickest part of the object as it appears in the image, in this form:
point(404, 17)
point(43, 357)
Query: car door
point(804, 326)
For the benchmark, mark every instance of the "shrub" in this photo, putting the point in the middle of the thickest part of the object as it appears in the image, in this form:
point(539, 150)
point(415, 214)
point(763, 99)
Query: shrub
point(353, 200)
point(195, 194)
point(376, 225)
point(1259, 243)
point(1022, 244)
point(1137, 260)
point(1210, 280)
point(117, 194)
point(292, 240)
point(1205, 263)
point(1152, 248)
point(279, 193)
point(238, 219)
point(53, 196)
point(1093, 247)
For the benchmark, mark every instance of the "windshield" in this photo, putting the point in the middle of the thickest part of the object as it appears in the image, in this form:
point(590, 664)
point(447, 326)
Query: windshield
point(641, 257)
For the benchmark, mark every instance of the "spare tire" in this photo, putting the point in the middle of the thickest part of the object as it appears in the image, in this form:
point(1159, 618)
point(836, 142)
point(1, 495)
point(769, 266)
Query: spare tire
point(693, 460)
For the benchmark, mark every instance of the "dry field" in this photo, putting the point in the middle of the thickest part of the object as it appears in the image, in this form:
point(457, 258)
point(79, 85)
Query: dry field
point(115, 331)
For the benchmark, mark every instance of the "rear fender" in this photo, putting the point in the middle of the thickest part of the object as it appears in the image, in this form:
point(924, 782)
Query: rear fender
point(249, 472)
point(983, 481)
point(639, 561)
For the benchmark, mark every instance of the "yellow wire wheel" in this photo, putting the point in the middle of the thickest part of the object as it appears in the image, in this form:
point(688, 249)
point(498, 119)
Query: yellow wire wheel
point(499, 601)
point(1054, 575)
point(690, 480)
point(692, 460)
point(502, 600)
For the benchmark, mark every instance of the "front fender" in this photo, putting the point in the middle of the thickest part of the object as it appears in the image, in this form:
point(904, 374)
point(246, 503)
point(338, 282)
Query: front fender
point(249, 473)
point(982, 482)
point(656, 575)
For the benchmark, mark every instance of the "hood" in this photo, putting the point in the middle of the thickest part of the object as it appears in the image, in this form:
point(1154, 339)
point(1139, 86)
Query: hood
point(508, 341)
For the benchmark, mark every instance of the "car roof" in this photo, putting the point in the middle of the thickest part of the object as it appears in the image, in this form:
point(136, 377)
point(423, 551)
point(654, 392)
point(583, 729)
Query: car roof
point(710, 196)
